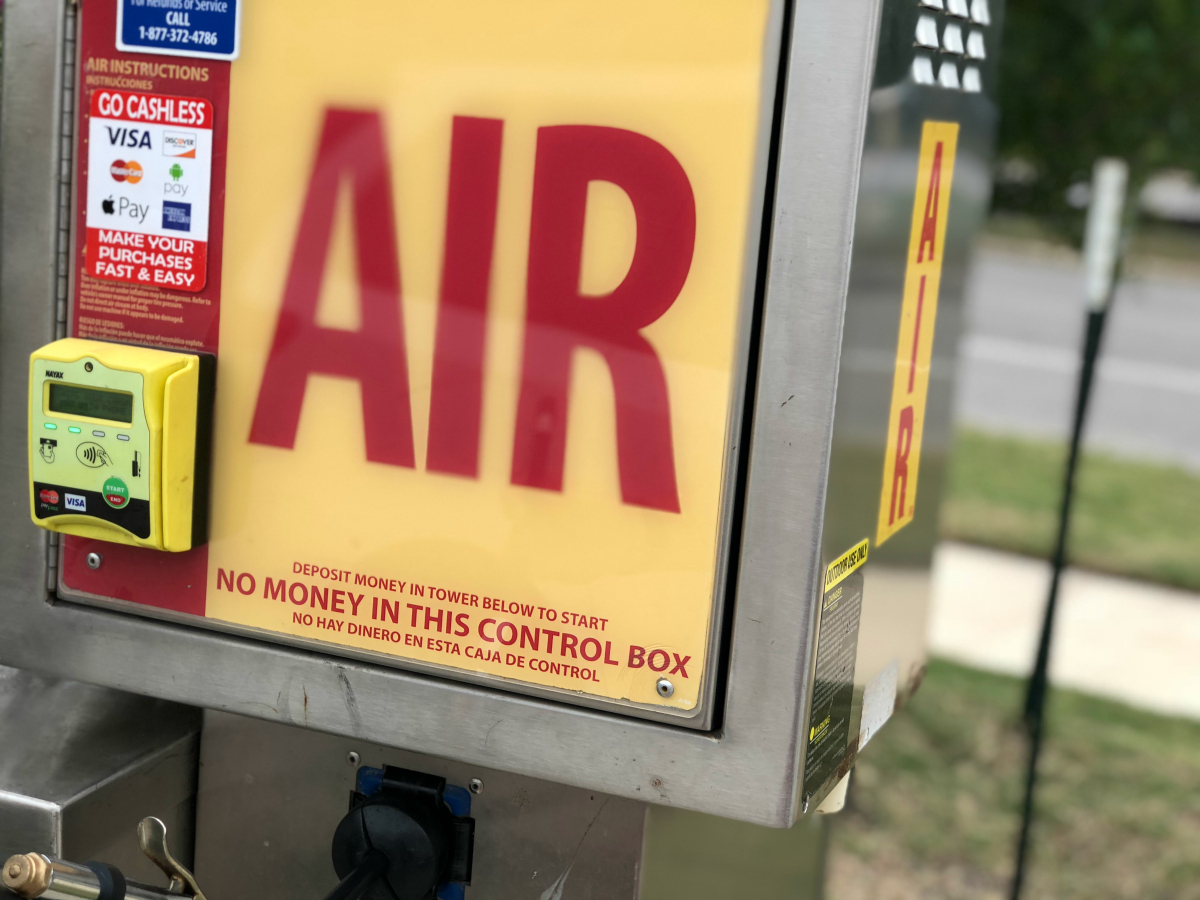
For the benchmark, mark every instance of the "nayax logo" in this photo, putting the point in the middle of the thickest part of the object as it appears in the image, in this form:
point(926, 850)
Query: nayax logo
point(126, 171)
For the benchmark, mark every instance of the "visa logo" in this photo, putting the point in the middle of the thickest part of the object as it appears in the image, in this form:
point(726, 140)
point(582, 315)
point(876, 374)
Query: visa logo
point(74, 501)
point(128, 137)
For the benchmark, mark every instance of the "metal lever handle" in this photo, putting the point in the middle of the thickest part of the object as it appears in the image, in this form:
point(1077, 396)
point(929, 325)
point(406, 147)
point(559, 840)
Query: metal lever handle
point(362, 878)
point(37, 877)
point(152, 837)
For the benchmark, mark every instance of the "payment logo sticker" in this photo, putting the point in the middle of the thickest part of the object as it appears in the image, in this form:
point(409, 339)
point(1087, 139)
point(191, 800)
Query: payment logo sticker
point(177, 216)
point(48, 496)
point(126, 171)
point(180, 144)
point(125, 231)
point(75, 502)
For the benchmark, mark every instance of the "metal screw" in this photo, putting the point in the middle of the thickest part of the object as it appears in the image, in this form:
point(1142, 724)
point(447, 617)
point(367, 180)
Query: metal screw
point(476, 785)
point(352, 758)
point(94, 560)
point(664, 688)
point(87, 367)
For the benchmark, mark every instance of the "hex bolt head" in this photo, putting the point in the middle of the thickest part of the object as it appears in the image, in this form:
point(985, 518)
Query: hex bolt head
point(352, 758)
point(475, 785)
point(664, 688)
point(94, 559)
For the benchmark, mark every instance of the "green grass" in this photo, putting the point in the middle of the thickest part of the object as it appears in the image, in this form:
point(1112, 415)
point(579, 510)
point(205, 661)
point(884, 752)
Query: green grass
point(935, 799)
point(1140, 520)
point(934, 802)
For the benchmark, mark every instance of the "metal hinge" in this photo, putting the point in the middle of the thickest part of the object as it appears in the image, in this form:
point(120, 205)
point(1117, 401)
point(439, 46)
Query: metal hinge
point(62, 254)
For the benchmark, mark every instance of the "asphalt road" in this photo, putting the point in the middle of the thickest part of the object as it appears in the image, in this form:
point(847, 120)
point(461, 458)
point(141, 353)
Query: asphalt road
point(1019, 359)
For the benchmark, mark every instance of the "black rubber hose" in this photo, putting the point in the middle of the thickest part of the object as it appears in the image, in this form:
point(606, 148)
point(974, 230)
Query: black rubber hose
point(362, 878)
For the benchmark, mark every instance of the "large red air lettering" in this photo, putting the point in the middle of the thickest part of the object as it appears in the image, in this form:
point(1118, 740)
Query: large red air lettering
point(351, 147)
point(559, 318)
point(904, 438)
point(912, 365)
point(456, 399)
point(932, 199)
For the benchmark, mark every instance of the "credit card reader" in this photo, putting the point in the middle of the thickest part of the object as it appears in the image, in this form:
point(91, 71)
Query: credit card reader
point(119, 442)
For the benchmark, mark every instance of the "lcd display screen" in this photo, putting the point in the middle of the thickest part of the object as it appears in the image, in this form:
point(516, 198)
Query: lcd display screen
point(91, 403)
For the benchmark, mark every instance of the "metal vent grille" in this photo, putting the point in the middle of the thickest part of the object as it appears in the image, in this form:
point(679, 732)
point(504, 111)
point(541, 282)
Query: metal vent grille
point(949, 42)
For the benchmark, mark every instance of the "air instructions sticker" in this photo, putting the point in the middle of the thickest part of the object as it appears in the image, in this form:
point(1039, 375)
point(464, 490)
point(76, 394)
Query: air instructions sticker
point(149, 172)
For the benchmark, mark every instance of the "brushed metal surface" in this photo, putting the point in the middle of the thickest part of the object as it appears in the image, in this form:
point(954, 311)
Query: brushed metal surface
point(30, 118)
point(271, 796)
point(81, 765)
point(694, 856)
point(809, 268)
point(897, 588)
point(748, 767)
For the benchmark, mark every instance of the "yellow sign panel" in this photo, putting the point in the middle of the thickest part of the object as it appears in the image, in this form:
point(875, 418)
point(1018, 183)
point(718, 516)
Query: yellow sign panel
point(918, 315)
point(483, 277)
point(846, 564)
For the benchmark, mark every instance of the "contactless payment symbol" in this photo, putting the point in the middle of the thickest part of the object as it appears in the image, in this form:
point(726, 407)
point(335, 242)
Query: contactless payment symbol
point(116, 494)
point(92, 455)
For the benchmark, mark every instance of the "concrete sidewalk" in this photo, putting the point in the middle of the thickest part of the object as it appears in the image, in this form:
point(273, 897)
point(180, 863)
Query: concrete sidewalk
point(1131, 641)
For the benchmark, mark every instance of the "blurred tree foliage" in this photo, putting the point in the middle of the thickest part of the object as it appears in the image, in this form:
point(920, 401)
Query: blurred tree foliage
point(1087, 78)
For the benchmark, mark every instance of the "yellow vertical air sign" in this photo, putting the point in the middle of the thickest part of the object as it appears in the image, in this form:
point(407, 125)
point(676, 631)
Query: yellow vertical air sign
point(918, 315)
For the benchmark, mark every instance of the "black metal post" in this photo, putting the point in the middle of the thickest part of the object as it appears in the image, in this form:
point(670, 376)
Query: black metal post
point(1035, 697)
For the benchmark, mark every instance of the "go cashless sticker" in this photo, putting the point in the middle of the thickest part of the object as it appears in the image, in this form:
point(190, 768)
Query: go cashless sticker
point(149, 172)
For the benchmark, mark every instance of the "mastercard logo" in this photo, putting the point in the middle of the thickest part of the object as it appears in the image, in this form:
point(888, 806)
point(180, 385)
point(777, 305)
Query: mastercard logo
point(126, 171)
point(48, 496)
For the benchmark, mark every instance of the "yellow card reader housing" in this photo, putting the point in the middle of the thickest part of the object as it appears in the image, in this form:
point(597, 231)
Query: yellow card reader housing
point(119, 442)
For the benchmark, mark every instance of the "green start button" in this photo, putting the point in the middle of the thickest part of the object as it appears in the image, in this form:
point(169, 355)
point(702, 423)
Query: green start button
point(116, 494)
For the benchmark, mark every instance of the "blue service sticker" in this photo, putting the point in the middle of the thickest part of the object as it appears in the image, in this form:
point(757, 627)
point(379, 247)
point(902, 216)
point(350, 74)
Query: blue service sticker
point(211, 29)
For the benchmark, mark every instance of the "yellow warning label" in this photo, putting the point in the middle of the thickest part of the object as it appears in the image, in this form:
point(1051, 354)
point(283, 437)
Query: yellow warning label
point(914, 349)
point(842, 567)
